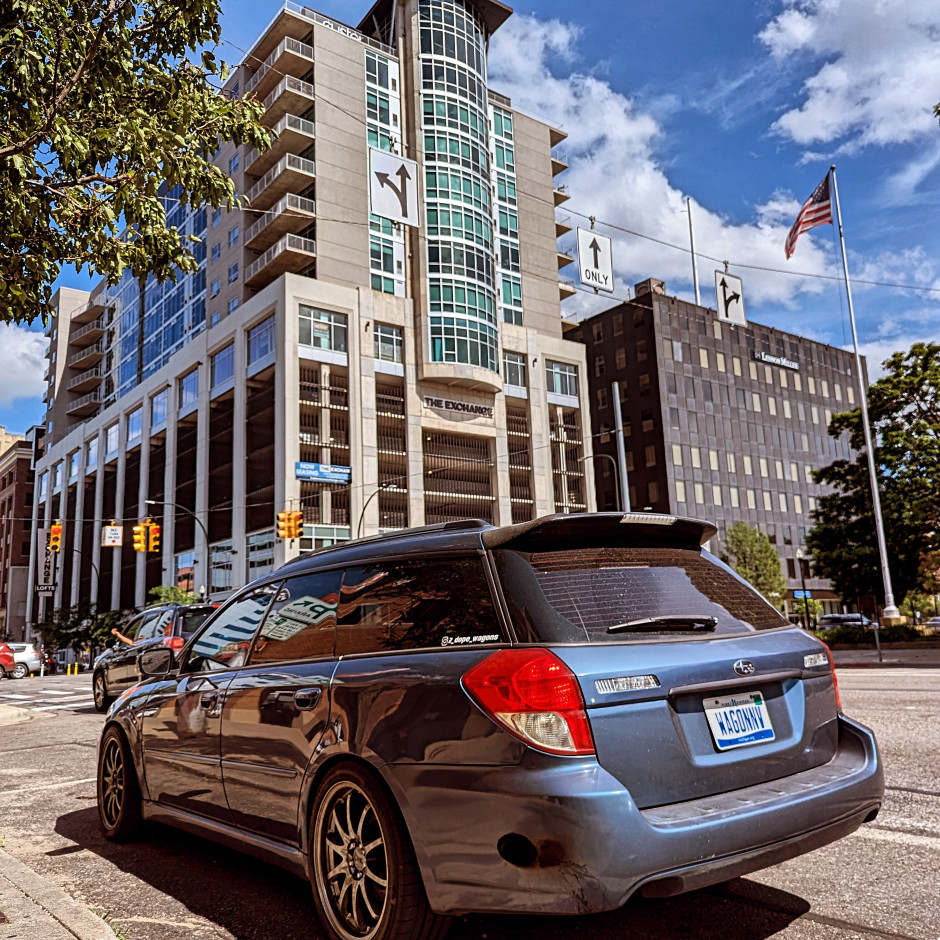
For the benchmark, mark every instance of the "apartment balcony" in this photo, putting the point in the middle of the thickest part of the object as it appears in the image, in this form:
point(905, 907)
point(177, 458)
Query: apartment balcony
point(564, 259)
point(566, 288)
point(494, 97)
point(556, 135)
point(559, 162)
point(293, 134)
point(86, 380)
point(560, 194)
point(90, 332)
point(288, 175)
point(289, 55)
point(86, 356)
point(85, 405)
point(291, 253)
point(285, 217)
point(47, 373)
point(94, 308)
point(562, 226)
point(290, 96)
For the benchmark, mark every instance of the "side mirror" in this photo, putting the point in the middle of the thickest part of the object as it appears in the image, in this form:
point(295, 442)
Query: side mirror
point(155, 663)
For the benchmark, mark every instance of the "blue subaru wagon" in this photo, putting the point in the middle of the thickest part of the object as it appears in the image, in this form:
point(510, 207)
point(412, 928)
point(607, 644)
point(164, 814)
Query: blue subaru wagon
point(546, 717)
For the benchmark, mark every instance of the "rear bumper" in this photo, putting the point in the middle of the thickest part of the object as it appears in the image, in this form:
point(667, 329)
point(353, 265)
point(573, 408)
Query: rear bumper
point(580, 845)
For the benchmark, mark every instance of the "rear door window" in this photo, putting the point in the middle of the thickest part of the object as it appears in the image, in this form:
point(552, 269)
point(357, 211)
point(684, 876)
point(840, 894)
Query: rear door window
point(302, 620)
point(192, 620)
point(615, 593)
point(414, 604)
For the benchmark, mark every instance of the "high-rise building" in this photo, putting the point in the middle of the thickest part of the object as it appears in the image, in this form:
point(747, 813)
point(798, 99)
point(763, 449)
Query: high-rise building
point(16, 502)
point(325, 358)
point(723, 421)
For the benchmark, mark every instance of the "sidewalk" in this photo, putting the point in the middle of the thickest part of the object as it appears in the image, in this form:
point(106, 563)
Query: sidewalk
point(33, 908)
point(892, 657)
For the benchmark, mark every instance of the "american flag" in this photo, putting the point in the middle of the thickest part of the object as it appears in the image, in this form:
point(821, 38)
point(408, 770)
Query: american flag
point(817, 210)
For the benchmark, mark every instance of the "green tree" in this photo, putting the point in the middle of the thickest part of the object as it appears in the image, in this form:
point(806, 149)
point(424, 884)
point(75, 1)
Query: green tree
point(79, 627)
point(750, 553)
point(904, 408)
point(104, 115)
point(171, 594)
point(802, 606)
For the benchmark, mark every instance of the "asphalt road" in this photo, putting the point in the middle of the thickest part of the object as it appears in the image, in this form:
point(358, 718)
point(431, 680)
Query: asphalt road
point(882, 882)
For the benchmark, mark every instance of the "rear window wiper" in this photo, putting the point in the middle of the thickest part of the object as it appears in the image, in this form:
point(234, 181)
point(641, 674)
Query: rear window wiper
point(693, 621)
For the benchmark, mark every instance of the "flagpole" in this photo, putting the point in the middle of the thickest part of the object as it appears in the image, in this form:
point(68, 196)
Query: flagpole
point(890, 611)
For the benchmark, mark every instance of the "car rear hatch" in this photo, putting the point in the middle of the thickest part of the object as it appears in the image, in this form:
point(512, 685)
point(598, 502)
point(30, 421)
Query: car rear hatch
point(694, 684)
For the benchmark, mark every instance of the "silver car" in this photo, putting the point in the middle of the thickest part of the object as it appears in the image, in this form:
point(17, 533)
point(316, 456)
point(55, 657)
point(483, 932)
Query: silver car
point(26, 658)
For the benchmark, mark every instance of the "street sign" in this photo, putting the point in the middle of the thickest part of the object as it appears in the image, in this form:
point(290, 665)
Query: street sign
point(393, 187)
point(730, 294)
point(799, 595)
point(112, 536)
point(322, 472)
point(45, 576)
point(595, 261)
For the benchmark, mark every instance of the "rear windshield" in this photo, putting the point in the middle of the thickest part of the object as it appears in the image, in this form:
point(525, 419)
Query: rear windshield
point(192, 620)
point(577, 596)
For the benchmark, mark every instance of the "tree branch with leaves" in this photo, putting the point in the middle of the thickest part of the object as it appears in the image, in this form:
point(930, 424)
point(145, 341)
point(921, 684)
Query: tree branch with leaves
point(109, 106)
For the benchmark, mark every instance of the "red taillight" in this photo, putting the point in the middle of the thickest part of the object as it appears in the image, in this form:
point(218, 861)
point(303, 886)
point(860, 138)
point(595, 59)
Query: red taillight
point(174, 642)
point(835, 678)
point(533, 694)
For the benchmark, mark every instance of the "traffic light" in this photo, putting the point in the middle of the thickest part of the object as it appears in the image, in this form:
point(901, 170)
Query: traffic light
point(290, 524)
point(140, 537)
point(153, 536)
point(55, 536)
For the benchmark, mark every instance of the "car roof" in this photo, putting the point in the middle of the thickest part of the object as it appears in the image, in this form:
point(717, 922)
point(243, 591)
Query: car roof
point(562, 530)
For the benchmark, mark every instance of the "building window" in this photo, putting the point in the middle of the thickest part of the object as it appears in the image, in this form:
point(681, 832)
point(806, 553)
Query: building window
point(43, 484)
point(111, 440)
point(261, 340)
point(599, 365)
point(620, 357)
point(233, 236)
point(158, 407)
point(189, 388)
point(652, 492)
point(216, 217)
point(641, 353)
point(649, 453)
point(233, 163)
point(677, 454)
point(603, 400)
point(232, 305)
point(91, 454)
point(233, 273)
point(216, 251)
point(720, 361)
point(388, 341)
point(680, 491)
point(703, 358)
point(223, 365)
point(56, 477)
point(514, 370)
point(135, 424)
point(598, 329)
point(562, 378)
point(73, 465)
point(322, 329)
point(696, 458)
point(216, 288)
point(716, 494)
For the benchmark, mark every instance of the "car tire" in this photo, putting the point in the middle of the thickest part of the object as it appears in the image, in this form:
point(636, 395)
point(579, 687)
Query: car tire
point(99, 690)
point(119, 799)
point(20, 671)
point(366, 883)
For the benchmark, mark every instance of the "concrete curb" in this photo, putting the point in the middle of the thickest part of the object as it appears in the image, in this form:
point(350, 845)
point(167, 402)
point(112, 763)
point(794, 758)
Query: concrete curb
point(74, 917)
point(12, 715)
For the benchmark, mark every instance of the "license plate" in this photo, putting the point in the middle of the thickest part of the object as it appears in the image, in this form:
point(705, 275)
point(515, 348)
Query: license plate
point(737, 720)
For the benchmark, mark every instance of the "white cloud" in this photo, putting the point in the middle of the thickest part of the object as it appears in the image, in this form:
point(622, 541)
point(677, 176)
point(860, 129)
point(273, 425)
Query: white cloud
point(876, 67)
point(22, 363)
point(616, 176)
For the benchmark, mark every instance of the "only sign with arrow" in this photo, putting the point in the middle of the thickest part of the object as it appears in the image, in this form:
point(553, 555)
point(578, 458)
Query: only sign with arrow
point(730, 297)
point(393, 187)
point(595, 261)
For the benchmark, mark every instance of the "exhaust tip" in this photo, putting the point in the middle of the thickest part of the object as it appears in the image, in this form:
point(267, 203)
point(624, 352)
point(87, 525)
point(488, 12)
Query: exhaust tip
point(873, 815)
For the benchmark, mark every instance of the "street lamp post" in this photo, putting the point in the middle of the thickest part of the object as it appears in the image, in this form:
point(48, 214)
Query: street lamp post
point(206, 574)
point(619, 505)
point(382, 486)
point(799, 560)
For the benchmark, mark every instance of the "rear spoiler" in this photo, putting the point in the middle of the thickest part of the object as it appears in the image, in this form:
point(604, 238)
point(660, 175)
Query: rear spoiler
point(605, 528)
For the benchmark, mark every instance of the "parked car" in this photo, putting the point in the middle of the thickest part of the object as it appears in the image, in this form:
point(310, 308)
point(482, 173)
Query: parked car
point(828, 621)
point(547, 717)
point(169, 625)
point(932, 625)
point(26, 657)
point(7, 663)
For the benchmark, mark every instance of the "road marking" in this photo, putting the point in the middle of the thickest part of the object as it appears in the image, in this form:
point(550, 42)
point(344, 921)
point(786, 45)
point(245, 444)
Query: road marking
point(902, 838)
point(57, 692)
point(62, 706)
point(17, 695)
point(48, 786)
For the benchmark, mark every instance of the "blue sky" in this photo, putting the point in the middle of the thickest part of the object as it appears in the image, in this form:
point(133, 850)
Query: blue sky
point(743, 110)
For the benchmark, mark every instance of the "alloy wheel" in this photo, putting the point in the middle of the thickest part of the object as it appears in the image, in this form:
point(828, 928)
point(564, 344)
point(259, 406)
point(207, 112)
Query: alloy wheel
point(113, 782)
point(99, 692)
point(352, 861)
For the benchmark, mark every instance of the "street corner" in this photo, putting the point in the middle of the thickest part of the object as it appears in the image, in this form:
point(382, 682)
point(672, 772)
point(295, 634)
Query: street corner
point(11, 715)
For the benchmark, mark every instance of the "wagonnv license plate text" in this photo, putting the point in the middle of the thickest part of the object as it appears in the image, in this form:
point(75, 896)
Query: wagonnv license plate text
point(736, 720)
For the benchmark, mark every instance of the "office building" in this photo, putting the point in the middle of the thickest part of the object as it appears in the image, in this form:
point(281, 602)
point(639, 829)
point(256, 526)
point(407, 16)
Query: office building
point(374, 375)
point(722, 421)
point(16, 506)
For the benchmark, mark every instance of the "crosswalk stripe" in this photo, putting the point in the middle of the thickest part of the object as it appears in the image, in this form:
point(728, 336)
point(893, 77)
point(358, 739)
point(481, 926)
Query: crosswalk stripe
point(63, 705)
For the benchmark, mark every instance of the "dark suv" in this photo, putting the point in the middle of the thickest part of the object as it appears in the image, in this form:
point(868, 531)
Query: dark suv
point(546, 717)
point(169, 625)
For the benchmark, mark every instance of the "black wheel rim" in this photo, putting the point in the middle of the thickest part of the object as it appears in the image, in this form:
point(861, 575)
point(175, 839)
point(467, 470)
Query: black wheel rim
point(99, 690)
point(112, 782)
point(351, 862)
